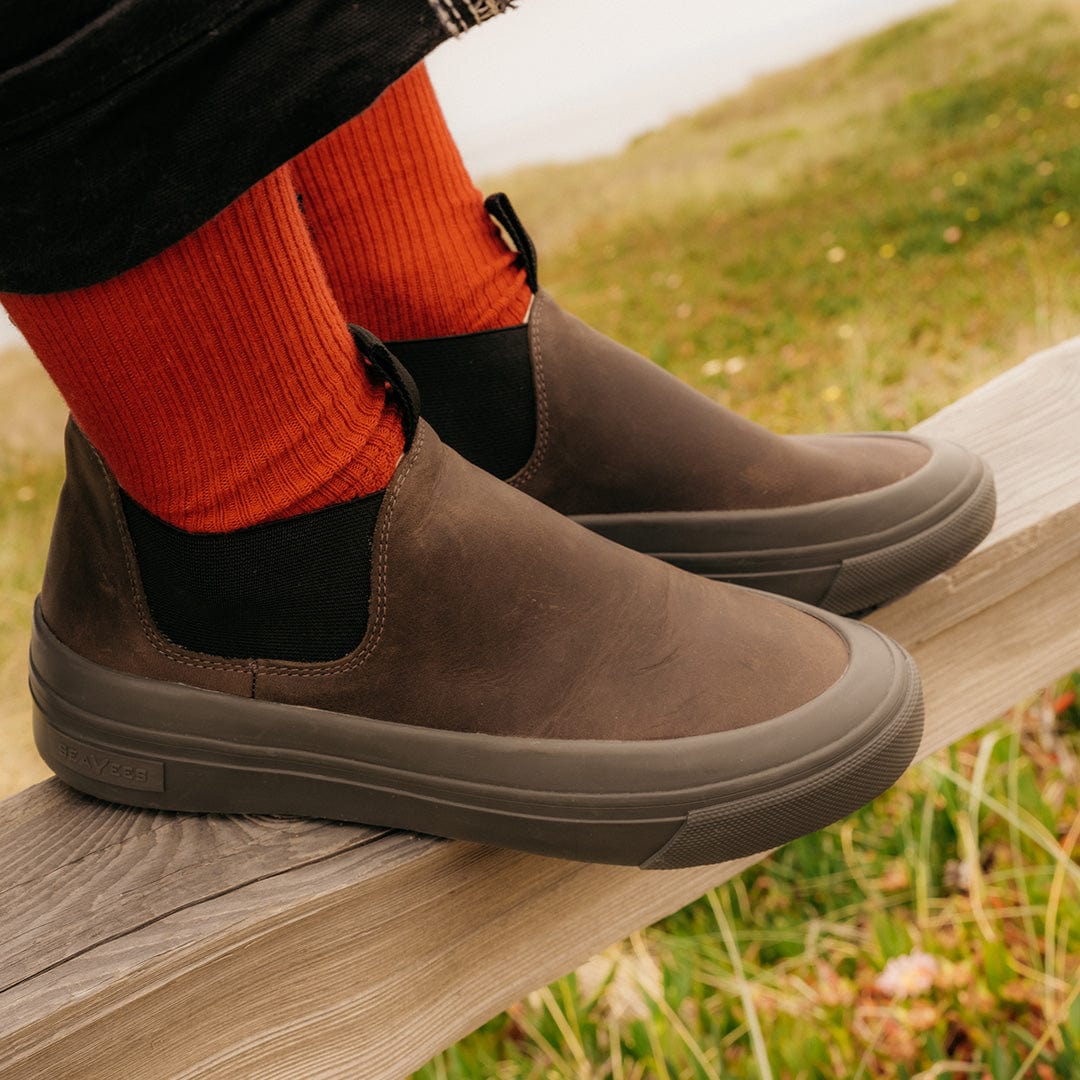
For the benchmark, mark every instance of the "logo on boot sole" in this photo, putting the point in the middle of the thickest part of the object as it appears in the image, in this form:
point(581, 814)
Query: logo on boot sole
point(108, 768)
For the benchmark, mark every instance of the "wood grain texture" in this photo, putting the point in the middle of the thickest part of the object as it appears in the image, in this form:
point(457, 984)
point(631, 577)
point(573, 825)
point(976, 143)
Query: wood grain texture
point(150, 945)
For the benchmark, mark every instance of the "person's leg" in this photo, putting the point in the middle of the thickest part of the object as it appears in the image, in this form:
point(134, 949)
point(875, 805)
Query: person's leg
point(219, 379)
point(408, 247)
point(263, 613)
point(127, 124)
point(231, 628)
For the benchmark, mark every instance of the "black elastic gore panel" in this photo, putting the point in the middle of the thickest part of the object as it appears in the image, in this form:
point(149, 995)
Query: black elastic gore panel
point(296, 589)
point(477, 393)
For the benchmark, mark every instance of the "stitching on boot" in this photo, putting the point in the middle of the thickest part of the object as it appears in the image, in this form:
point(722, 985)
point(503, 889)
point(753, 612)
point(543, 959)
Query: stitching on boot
point(157, 641)
point(378, 623)
point(541, 398)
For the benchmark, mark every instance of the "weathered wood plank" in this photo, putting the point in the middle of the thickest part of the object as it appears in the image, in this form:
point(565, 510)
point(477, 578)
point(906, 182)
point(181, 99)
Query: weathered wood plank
point(1021, 423)
point(275, 948)
point(1007, 619)
point(47, 920)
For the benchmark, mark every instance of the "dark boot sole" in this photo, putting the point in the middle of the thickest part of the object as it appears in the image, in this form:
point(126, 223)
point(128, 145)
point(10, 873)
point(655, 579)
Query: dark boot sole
point(847, 555)
point(657, 804)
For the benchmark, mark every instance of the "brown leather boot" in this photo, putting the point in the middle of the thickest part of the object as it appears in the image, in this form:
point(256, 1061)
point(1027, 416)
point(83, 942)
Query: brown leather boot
point(626, 449)
point(453, 657)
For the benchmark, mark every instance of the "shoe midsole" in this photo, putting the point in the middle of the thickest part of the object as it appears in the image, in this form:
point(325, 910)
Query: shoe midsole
point(806, 538)
point(154, 722)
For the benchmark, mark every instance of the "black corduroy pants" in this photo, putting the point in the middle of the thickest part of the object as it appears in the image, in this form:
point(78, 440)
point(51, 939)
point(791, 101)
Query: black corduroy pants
point(127, 124)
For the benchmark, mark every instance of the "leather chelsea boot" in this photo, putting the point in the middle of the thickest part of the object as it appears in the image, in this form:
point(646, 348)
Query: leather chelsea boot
point(453, 657)
point(608, 438)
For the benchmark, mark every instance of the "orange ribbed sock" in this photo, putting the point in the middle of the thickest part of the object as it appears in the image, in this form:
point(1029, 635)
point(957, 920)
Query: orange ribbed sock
point(407, 245)
point(218, 379)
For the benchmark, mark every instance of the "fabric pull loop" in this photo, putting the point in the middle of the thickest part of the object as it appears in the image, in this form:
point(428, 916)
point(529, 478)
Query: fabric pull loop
point(500, 208)
point(399, 380)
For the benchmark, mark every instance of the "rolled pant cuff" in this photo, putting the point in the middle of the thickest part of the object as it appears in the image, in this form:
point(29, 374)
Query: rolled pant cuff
point(460, 15)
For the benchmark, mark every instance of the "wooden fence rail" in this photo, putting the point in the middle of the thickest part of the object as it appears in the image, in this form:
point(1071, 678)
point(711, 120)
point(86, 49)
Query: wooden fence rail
point(139, 945)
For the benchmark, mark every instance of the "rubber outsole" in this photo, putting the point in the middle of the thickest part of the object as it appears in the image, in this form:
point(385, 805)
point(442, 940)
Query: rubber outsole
point(846, 555)
point(657, 804)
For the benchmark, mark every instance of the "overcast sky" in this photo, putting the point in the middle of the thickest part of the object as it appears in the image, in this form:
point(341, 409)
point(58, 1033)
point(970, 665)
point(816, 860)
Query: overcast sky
point(565, 79)
point(556, 80)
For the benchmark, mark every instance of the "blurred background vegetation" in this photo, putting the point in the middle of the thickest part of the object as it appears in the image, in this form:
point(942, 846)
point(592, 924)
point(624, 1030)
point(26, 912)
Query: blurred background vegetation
point(850, 244)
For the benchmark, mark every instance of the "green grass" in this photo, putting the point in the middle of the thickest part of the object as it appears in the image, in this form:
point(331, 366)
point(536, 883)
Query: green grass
point(791, 251)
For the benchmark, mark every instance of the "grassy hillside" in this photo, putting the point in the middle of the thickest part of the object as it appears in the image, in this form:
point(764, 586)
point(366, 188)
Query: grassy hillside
point(852, 243)
point(869, 235)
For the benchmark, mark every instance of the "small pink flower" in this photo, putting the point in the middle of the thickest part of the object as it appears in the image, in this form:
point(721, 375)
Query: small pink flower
point(908, 976)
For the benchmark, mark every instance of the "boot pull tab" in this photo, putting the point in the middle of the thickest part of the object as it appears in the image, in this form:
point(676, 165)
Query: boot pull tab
point(499, 207)
point(376, 355)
